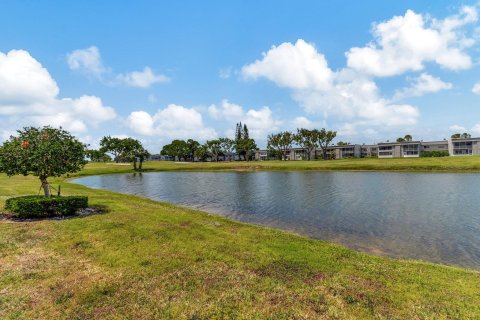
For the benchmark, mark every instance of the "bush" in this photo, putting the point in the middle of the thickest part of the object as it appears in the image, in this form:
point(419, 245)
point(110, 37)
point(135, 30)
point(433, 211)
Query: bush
point(434, 154)
point(42, 207)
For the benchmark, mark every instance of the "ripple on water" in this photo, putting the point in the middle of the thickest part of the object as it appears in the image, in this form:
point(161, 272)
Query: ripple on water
point(428, 216)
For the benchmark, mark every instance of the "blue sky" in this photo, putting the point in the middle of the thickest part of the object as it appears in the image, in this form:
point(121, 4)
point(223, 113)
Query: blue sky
point(371, 70)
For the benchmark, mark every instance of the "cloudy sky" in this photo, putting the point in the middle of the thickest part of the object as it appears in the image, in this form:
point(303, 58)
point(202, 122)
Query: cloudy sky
point(371, 70)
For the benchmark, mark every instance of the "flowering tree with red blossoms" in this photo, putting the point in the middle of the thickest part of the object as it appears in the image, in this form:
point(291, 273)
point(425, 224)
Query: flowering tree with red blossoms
point(42, 152)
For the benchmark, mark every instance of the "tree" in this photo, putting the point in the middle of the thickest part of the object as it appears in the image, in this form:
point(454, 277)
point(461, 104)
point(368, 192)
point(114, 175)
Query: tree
point(201, 152)
point(282, 142)
point(227, 147)
point(129, 149)
point(141, 154)
point(192, 146)
point(243, 143)
point(408, 138)
point(273, 145)
point(249, 147)
point(178, 149)
point(113, 146)
point(167, 150)
point(133, 151)
point(342, 143)
point(307, 139)
point(97, 156)
point(213, 149)
point(400, 139)
point(461, 136)
point(245, 134)
point(238, 132)
point(42, 152)
point(324, 139)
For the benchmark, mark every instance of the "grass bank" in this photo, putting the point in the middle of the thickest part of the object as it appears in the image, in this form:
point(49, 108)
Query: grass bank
point(144, 259)
point(446, 164)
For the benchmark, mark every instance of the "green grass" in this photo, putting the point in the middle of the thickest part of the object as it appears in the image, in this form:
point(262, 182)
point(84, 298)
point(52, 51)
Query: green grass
point(144, 259)
point(451, 164)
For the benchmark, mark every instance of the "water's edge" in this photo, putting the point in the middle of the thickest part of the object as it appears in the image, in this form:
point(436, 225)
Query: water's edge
point(362, 229)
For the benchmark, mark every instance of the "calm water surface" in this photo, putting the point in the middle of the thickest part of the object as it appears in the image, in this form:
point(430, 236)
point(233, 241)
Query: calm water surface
point(428, 216)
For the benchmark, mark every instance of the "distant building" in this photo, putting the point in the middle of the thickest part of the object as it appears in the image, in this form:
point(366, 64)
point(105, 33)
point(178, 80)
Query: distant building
point(464, 147)
point(404, 149)
point(159, 157)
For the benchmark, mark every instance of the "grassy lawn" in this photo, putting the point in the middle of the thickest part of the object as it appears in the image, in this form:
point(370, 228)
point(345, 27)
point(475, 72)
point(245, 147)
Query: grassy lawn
point(455, 164)
point(144, 259)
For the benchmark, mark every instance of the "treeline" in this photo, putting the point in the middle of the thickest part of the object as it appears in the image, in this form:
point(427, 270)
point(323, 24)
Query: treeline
point(123, 150)
point(241, 148)
point(309, 140)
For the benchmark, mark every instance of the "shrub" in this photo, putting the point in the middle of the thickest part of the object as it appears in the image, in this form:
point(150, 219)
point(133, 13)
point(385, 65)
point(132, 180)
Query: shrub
point(434, 154)
point(42, 207)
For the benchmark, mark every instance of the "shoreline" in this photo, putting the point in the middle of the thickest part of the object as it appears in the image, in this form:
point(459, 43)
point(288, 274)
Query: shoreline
point(371, 251)
point(209, 264)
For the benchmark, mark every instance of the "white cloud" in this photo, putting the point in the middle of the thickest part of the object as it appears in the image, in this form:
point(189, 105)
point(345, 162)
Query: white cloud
point(406, 43)
point(172, 122)
point(476, 88)
point(87, 60)
point(260, 122)
point(226, 110)
point(476, 129)
point(142, 79)
point(302, 122)
point(347, 94)
point(23, 80)
point(141, 122)
point(457, 128)
point(29, 96)
point(298, 66)
point(421, 85)
point(347, 129)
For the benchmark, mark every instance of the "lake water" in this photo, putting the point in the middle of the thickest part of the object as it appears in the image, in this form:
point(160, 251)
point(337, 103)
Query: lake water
point(429, 216)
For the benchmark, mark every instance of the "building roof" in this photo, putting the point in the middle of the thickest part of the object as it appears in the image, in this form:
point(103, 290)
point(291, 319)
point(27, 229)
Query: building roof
point(399, 143)
point(465, 139)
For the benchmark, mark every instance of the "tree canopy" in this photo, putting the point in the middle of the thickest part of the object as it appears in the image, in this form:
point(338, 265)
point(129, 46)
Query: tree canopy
point(214, 149)
point(461, 136)
point(308, 140)
point(112, 145)
point(324, 139)
point(127, 150)
point(281, 142)
point(97, 156)
point(178, 149)
point(42, 152)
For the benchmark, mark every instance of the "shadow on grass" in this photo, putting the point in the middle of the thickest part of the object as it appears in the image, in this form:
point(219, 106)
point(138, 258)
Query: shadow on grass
point(82, 213)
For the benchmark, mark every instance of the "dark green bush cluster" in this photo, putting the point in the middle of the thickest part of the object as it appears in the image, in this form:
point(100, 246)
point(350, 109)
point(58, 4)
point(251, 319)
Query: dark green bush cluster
point(434, 154)
point(41, 207)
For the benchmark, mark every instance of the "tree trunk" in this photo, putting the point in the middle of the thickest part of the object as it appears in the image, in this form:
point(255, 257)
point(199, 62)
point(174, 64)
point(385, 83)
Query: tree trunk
point(135, 164)
point(45, 186)
point(140, 165)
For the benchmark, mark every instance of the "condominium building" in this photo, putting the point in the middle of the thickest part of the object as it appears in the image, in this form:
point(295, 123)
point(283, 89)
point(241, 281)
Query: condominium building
point(407, 149)
point(464, 147)
point(404, 149)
